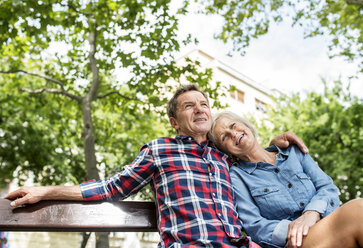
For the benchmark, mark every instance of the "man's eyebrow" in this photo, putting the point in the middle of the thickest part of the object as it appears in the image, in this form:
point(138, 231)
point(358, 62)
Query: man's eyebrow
point(204, 102)
point(185, 103)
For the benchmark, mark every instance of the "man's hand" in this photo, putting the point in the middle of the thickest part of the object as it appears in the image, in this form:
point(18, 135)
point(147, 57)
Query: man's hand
point(299, 228)
point(26, 195)
point(30, 195)
point(288, 138)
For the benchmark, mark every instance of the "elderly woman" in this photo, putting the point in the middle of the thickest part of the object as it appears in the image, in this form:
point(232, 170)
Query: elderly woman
point(282, 196)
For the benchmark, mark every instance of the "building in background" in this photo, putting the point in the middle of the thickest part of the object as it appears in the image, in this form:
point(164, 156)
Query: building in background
point(242, 94)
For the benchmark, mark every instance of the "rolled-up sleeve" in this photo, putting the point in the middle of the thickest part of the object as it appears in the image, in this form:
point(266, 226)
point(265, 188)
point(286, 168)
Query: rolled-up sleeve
point(129, 181)
point(280, 232)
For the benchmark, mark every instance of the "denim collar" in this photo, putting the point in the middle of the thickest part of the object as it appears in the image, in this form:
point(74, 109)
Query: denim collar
point(250, 167)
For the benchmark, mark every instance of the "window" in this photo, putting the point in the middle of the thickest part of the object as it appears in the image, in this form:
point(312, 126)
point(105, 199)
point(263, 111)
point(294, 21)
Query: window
point(238, 95)
point(260, 105)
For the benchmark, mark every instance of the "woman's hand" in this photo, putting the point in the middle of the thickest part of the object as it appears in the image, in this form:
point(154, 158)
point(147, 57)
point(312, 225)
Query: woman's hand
point(288, 138)
point(300, 228)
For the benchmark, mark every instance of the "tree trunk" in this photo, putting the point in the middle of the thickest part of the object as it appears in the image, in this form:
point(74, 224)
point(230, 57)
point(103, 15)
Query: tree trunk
point(84, 239)
point(89, 141)
point(102, 240)
point(88, 130)
point(90, 160)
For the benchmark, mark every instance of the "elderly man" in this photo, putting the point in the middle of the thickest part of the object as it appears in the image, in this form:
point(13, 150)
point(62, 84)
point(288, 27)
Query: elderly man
point(189, 176)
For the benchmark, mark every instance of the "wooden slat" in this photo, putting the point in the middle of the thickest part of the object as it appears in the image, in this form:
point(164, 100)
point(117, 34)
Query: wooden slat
point(71, 216)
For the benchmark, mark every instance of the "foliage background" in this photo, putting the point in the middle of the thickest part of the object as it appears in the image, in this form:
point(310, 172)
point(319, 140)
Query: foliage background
point(331, 125)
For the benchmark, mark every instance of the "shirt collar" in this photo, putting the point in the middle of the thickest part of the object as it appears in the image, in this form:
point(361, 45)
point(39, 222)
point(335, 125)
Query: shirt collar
point(190, 138)
point(180, 137)
point(250, 167)
point(285, 152)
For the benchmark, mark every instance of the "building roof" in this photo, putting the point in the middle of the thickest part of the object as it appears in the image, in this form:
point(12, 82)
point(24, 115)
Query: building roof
point(231, 71)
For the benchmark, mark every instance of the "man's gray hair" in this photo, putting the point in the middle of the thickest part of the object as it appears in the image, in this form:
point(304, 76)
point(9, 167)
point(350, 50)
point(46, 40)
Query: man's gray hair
point(231, 116)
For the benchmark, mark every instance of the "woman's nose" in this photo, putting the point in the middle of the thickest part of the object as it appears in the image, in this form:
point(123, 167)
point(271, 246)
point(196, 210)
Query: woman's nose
point(234, 134)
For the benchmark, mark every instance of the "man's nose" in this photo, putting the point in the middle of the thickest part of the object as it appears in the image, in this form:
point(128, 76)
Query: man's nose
point(198, 108)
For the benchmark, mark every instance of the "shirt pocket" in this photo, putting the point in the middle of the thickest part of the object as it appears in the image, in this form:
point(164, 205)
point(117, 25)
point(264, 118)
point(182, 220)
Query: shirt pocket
point(273, 204)
point(308, 189)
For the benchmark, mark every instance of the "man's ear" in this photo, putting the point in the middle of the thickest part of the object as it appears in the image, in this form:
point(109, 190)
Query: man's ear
point(174, 123)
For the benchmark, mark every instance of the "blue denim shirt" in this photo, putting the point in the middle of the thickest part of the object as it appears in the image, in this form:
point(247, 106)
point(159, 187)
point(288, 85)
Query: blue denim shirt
point(269, 197)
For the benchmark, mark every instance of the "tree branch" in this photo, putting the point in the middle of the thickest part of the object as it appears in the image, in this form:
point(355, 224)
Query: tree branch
point(49, 79)
point(71, 6)
point(54, 91)
point(357, 2)
point(121, 95)
point(36, 75)
point(93, 63)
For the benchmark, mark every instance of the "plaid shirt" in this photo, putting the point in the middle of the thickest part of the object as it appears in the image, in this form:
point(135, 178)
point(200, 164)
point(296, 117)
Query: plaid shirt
point(194, 197)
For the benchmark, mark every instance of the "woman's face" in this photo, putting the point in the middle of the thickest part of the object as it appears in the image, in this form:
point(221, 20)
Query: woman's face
point(234, 137)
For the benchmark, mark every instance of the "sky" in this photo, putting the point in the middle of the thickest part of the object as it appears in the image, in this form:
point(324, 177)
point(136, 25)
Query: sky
point(282, 59)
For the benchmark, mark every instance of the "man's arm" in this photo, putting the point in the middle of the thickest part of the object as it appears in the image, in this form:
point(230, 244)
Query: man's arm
point(29, 195)
point(288, 138)
point(137, 175)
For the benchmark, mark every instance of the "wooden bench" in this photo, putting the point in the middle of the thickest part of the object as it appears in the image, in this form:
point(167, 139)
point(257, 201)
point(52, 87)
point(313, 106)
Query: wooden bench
point(79, 216)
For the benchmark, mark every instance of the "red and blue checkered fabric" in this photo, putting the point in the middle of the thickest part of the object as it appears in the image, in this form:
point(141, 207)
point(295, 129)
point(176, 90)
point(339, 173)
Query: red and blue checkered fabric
point(193, 192)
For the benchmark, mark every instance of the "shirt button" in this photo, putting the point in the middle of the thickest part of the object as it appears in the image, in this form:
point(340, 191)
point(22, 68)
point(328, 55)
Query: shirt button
point(302, 204)
point(289, 185)
point(332, 204)
point(214, 194)
point(265, 190)
point(219, 214)
point(277, 170)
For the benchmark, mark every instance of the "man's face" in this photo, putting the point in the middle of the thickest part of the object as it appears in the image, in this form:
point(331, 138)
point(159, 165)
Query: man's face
point(193, 117)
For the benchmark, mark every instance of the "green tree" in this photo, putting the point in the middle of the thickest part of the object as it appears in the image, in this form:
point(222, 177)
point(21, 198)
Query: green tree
point(83, 82)
point(32, 134)
point(341, 20)
point(331, 125)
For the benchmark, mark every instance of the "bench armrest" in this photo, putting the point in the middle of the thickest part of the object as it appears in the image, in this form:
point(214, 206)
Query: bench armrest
point(79, 216)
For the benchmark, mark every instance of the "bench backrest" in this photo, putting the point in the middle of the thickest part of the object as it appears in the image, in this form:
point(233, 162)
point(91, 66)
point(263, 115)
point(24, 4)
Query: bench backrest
point(79, 216)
